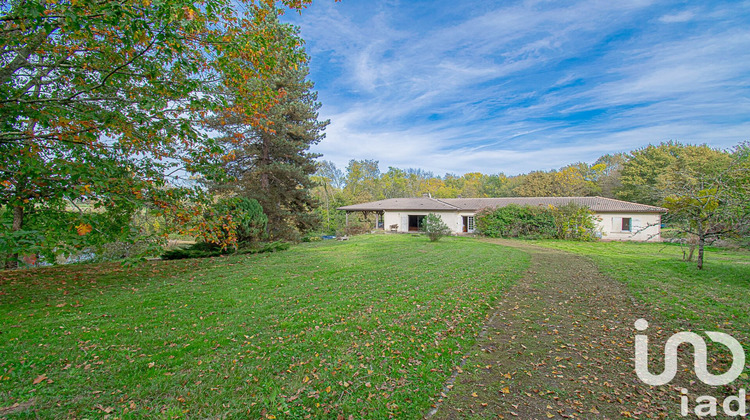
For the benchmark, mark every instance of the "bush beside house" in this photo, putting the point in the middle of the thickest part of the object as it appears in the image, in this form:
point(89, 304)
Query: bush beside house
point(434, 227)
point(570, 221)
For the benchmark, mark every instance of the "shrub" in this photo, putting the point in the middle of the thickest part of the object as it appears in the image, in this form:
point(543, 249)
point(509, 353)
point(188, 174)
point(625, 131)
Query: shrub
point(236, 221)
point(570, 221)
point(251, 227)
point(311, 237)
point(574, 222)
point(434, 227)
point(514, 221)
point(355, 227)
point(197, 250)
point(206, 250)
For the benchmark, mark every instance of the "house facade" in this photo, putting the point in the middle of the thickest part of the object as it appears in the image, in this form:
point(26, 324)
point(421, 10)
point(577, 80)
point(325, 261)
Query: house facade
point(615, 219)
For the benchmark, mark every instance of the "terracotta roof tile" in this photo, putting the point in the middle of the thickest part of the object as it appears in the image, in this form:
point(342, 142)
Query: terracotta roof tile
point(596, 204)
point(422, 204)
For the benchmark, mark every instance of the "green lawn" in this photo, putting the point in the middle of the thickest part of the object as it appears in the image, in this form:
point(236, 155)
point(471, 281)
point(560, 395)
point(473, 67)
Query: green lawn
point(714, 299)
point(369, 327)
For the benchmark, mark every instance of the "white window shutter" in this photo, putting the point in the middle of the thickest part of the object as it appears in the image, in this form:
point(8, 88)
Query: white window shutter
point(404, 223)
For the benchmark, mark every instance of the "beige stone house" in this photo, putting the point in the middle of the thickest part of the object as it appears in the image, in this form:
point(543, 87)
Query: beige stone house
point(615, 219)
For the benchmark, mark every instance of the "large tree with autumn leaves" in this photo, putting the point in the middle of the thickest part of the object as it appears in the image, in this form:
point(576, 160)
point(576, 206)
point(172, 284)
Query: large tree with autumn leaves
point(102, 101)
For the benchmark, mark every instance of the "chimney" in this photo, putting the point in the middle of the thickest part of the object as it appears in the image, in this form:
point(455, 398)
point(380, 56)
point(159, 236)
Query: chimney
point(426, 195)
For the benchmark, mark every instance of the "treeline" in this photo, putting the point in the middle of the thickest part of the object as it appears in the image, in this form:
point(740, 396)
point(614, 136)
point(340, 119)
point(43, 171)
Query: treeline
point(655, 175)
point(362, 181)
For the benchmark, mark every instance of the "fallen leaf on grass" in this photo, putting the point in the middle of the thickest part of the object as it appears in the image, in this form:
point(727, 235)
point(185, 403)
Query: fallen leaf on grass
point(105, 409)
point(39, 379)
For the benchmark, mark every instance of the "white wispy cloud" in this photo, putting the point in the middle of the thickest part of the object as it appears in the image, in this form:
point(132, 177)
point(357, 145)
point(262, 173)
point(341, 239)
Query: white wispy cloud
point(679, 17)
point(531, 85)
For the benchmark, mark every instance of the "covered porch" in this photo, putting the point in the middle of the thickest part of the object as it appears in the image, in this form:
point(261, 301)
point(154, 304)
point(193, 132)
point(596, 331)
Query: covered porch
point(379, 223)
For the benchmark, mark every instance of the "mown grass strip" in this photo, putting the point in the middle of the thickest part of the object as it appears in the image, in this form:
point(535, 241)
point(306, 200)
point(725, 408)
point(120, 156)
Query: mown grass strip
point(715, 297)
point(369, 327)
point(712, 299)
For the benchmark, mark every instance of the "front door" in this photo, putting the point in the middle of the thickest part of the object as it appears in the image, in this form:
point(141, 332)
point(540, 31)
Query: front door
point(466, 224)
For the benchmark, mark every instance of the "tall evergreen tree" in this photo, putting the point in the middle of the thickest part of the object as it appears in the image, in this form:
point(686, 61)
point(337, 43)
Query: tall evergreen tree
point(269, 160)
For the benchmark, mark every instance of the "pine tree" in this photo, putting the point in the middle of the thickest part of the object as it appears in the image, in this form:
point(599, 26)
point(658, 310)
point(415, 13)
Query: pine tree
point(271, 161)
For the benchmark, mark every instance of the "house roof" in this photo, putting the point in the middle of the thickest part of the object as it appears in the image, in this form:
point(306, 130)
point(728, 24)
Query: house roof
point(422, 203)
point(596, 204)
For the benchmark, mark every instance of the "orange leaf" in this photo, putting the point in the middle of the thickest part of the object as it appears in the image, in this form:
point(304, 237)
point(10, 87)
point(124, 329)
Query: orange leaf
point(84, 228)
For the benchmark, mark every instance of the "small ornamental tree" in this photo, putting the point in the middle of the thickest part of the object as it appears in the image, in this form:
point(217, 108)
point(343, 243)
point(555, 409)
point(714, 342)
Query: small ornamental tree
point(434, 227)
point(709, 204)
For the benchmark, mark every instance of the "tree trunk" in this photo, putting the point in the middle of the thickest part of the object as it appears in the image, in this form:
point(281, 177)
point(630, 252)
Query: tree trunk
point(328, 212)
point(265, 160)
point(11, 260)
point(692, 241)
point(701, 241)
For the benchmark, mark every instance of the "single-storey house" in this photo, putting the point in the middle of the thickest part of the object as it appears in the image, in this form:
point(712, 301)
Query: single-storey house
point(615, 219)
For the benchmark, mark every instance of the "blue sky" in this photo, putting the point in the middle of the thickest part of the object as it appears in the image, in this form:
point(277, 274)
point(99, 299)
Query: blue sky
point(505, 86)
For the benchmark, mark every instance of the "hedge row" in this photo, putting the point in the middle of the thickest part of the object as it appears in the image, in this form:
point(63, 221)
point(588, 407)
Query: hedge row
point(571, 221)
